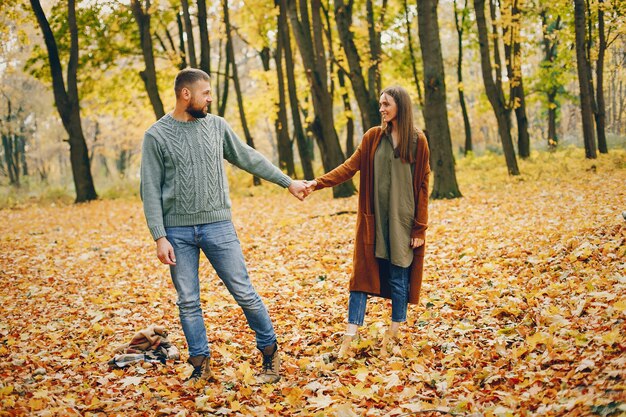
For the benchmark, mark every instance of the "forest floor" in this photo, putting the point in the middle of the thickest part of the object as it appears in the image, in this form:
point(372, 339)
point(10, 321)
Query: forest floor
point(522, 311)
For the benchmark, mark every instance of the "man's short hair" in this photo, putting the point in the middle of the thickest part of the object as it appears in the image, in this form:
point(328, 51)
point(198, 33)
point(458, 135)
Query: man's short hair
point(187, 77)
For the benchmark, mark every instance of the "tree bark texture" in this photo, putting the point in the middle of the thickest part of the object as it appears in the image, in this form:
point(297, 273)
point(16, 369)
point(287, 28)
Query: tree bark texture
point(435, 109)
point(347, 107)
point(460, 29)
point(191, 48)
point(305, 144)
point(67, 101)
point(148, 75)
point(512, 51)
point(231, 56)
point(494, 90)
point(600, 114)
point(308, 32)
point(584, 80)
point(281, 124)
point(205, 45)
point(366, 96)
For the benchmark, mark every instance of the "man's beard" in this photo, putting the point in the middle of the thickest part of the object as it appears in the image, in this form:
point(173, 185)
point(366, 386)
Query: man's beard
point(196, 113)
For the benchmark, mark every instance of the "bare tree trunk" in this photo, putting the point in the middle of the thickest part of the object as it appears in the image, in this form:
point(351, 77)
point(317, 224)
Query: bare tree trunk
point(181, 42)
point(550, 44)
point(512, 50)
point(67, 102)
point(9, 146)
point(494, 91)
point(305, 144)
point(191, 48)
point(584, 80)
point(435, 109)
point(205, 45)
point(460, 28)
point(341, 75)
point(221, 108)
point(365, 97)
point(9, 158)
point(621, 108)
point(149, 77)
point(600, 114)
point(373, 72)
point(416, 80)
point(309, 36)
point(231, 57)
point(281, 124)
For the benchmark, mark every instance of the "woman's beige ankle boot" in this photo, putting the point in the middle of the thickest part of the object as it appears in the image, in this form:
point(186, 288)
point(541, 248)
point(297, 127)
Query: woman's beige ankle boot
point(390, 339)
point(346, 345)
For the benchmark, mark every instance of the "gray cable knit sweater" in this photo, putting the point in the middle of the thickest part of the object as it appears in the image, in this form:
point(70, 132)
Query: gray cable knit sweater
point(183, 182)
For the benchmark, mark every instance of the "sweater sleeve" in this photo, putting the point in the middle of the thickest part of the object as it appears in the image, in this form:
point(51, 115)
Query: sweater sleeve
point(420, 222)
point(343, 172)
point(250, 160)
point(152, 176)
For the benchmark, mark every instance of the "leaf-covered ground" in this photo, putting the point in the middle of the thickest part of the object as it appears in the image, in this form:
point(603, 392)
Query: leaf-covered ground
point(522, 313)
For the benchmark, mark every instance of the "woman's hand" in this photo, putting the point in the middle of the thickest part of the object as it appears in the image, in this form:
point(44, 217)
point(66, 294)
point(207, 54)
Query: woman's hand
point(310, 186)
point(416, 242)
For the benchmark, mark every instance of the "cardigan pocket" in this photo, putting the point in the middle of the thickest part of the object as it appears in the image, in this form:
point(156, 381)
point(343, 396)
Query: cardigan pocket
point(367, 228)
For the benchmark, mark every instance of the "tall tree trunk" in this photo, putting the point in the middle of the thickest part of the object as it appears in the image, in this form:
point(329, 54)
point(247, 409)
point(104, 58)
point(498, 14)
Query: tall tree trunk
point(21, 154)
point(494, 91)
point(435, 110)
point(550, 44)
point(460, 28)
point(8, 144)
point(281, 124)
point(341, 75)
point(309, 36)
point(67, 102)
point(9, 158)
point(231, 57)
point(512, 50)
point(584, 80)
point(205, 45)
point(365, 98)
point(148, 75)
point(418, 84)
point(191, 48)
point(181, 41)
point(221, 108)
point(600, 115)
point(305, 144)
point(373, 72)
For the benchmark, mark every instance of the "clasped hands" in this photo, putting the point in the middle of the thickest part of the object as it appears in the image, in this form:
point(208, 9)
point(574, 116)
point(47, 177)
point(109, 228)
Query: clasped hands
point(302, 188)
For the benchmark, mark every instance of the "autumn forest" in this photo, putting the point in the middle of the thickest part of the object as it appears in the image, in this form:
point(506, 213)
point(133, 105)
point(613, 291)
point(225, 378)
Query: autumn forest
point(523, 304)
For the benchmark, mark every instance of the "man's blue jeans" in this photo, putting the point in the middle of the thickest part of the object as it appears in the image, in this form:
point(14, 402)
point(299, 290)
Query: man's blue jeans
point(221, 246)
point(399, 283)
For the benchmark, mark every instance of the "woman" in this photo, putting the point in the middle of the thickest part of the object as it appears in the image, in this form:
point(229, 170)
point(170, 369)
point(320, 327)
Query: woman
point(392, 215)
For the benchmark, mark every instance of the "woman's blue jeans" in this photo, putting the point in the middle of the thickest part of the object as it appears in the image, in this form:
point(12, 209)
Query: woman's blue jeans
point(399, 283)
point(221, 246)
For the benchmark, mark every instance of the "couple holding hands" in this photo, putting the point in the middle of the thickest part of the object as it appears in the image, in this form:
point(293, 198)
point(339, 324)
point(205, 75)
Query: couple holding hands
point(187, 207)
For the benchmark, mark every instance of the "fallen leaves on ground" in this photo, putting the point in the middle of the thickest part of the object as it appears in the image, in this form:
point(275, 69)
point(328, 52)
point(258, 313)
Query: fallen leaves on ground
point(523, 309)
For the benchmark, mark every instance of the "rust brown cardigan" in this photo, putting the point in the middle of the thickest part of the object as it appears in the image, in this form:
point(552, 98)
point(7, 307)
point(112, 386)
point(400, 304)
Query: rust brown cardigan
point(370, 275)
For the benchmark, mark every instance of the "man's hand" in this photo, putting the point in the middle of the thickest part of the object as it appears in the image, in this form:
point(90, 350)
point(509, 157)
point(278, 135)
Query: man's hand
point(165, 251)
point(416, 242)
point(299, 189)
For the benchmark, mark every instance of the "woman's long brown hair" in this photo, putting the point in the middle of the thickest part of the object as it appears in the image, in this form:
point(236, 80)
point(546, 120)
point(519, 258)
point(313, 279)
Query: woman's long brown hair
point(404, 121)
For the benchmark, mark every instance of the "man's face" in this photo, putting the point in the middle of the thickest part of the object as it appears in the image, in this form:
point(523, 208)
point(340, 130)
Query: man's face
point(200, 97)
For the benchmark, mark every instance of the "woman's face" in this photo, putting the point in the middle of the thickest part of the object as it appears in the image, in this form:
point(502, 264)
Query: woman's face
point(388, 108)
